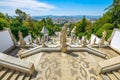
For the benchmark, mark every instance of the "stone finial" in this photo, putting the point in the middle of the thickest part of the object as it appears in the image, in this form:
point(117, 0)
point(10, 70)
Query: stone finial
point(21, 39)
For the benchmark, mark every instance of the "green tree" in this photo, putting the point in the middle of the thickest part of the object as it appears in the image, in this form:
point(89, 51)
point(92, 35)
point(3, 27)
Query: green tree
point(3, 23)
point(115, 12)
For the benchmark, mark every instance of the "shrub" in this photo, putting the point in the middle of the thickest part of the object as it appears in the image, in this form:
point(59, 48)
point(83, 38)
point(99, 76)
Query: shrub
point(108, 26)
point(15, 30)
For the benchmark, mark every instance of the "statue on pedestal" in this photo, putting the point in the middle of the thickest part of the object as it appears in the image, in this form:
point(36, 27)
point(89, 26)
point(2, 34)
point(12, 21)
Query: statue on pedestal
point(43, 42)
point(109, 40)
point(21, 39)
point(29, 40)
point(94, 41)
point(63, 44)
point(37, 41)
point(73, 36)
point(84, 42)
point(101, 42)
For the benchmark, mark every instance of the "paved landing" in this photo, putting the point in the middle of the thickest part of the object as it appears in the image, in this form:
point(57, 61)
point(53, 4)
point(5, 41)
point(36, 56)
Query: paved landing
point(61, 66)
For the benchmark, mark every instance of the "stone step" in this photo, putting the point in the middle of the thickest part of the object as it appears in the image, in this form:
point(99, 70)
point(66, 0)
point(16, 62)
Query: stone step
point(21, 76)
point(27, 77)
point(8, 74)
point(3, 71)
point(105, 77)
point(112, 76)
point(15, 75)
point(117, 74)
point(16, 64)
point(110, 64)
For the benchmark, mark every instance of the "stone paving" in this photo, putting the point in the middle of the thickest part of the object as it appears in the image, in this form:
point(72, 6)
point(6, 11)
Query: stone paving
point(65, 66)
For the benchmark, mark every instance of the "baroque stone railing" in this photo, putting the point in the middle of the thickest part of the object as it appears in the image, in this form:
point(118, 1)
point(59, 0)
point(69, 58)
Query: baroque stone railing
point(16, 64)
point(110, 64)
point(58, 49)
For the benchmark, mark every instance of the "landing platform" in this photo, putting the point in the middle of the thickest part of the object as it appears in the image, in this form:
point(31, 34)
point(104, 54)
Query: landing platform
point(70, 66)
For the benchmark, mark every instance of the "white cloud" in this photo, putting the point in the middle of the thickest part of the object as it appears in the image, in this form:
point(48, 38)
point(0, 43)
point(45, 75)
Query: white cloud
point(25, 5)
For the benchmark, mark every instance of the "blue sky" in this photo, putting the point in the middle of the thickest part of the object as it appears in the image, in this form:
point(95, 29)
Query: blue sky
point(55, 7)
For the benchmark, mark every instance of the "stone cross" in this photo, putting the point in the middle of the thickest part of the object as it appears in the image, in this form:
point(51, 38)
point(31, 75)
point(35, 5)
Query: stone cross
point(21, 39)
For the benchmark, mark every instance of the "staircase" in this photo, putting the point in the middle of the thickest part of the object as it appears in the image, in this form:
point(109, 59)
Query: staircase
point(12, 68)
point(113, 72)
point(10, 74)
point(112, 75)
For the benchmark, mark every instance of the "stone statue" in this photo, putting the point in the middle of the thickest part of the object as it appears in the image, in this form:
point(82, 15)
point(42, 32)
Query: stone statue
point(43, 42)
point(63, 44)
point(84, 41)
point(73, 36)
point(94, 41)
point(101, 42)
point(77, 40)
point(21, 39)
point(109, 40)
point(37, 42)
point(29, 40)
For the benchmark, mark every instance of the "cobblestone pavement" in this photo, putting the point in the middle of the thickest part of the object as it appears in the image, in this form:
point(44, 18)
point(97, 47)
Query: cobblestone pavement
point(62, 66)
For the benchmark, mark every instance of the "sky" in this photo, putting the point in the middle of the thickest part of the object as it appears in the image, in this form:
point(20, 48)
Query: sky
point(55, 7)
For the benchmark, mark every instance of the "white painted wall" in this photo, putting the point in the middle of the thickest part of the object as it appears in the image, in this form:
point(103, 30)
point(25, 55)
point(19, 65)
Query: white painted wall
point(26, 39)
point(115, 42)
point(5, 40)
point(93, 37)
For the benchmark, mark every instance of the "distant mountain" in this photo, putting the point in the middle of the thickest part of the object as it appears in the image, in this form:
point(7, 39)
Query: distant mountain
point(76, 16)
point(62, 19)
